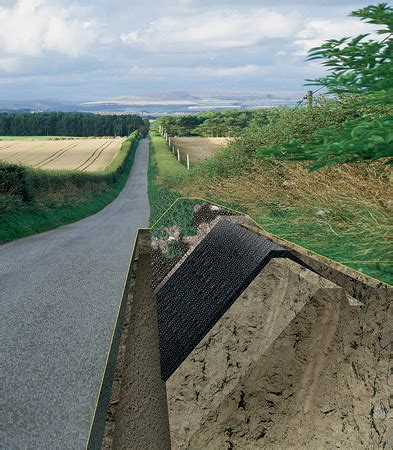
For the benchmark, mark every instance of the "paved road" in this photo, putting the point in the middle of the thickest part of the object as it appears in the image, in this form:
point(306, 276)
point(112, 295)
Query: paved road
point(59, 293)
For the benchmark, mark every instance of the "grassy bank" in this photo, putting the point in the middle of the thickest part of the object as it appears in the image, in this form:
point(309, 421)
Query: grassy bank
point(165, 175)
point(34, 200)
point(343, 212)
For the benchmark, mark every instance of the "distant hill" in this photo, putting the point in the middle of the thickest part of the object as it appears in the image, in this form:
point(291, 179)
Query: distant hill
point(160, 103)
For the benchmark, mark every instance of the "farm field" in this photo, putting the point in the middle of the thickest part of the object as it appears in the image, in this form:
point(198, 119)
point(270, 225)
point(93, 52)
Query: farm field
point(84, 154)
point(36, 138)
point(199, 148)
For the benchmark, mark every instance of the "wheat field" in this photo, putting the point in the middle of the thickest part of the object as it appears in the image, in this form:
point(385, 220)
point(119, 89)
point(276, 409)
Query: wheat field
point(84, 154)
point(198, 148)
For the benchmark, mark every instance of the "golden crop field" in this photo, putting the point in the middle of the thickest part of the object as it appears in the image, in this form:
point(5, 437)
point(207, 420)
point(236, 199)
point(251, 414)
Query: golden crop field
point(85, 154)
point(198, 148)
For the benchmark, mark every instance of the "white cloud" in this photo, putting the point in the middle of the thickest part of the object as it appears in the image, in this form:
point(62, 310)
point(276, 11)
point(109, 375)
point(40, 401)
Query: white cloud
point(33, 27)
point(316, 32)
point(8, 65)
point(203, 31)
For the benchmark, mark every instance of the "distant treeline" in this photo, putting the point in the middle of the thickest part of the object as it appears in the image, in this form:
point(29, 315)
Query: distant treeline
point(70, 124)
point(216, 123)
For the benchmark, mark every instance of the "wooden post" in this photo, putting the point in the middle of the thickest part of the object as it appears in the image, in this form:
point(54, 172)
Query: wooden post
point(188, 161)
point(178, 155)
point(309, 100)
point(173, 149)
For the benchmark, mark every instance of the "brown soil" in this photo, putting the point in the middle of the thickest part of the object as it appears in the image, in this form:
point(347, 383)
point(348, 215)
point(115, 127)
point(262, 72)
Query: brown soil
point(141, 416)
point(302, 359)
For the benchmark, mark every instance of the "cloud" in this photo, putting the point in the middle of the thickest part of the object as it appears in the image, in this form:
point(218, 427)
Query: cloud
point(8, 65)
point(200, 31)
point(32, 28)
point(316, 32)
point(82, 48)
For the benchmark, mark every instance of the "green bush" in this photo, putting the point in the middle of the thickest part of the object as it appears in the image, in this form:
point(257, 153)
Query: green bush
point(286, 125)
point(13, 181)
point(215, 123)
point(363, 68)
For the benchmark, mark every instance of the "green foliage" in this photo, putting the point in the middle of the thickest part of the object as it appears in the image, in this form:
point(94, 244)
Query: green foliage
point(70, 124)
point(174, 250)
point(13, 181)
point(180, 214)
point(357, 66)
point(215, 124)
point(286, 126)
point(361, 68)
point(356, 140)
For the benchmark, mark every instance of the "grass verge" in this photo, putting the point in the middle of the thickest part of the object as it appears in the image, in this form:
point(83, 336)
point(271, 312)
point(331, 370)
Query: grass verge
point(165, 174)
point(34, 200)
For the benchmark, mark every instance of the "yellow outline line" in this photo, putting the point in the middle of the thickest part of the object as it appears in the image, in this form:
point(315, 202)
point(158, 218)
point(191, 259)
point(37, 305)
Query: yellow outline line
point(272, 234)
point(152, 227)
point(114, 330)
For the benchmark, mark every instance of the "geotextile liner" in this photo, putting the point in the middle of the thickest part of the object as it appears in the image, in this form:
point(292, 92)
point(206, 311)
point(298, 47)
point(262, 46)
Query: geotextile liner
point(205, 285)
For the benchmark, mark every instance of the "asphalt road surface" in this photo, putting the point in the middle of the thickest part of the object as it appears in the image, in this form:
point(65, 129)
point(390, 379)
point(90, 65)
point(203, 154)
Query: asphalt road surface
point(59, 294)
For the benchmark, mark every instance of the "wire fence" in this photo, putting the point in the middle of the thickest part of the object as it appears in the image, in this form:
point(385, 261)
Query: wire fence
point(180, 155)
point(308, 96)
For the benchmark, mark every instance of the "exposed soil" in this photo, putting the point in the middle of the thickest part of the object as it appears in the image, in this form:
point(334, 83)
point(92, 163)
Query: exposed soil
point(296, 362)
point(324, 383)
point(141, 415)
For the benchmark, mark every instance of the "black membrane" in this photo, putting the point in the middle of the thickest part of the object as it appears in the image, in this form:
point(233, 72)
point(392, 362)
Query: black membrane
point(205, 285)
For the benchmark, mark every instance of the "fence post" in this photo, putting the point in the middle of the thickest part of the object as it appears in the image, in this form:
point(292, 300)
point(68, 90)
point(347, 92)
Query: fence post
point(309, 100)
point(173, 149)
point(188, 161)
point(178, 155)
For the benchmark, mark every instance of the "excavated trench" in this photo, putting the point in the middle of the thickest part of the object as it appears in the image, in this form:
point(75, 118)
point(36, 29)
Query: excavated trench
point(245, 341)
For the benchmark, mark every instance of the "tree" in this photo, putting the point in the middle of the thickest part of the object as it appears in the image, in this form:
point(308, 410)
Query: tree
point(363, 69)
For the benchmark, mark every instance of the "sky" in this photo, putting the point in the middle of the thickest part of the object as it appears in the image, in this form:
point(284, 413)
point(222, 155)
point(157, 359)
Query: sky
point(101, 49)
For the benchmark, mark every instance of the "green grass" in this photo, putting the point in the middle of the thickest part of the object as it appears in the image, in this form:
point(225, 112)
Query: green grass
point(39, 200)
point(360, 247)
point(170, 172)
point(164, 174)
